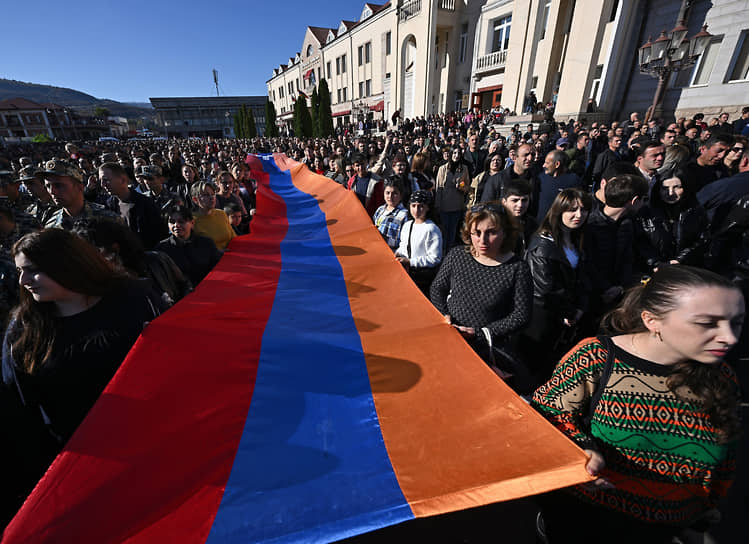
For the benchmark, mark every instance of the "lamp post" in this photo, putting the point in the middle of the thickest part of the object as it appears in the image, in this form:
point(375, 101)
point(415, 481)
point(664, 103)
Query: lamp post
point(671, 52)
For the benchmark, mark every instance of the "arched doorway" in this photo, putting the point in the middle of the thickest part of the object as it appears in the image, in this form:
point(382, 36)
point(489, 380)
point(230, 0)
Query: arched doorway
point(408, 69)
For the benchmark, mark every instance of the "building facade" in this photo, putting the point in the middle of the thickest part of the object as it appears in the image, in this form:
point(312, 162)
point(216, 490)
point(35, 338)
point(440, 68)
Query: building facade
point(205, 116)
point(412, 56)
point(422, 57)
point(22, 119)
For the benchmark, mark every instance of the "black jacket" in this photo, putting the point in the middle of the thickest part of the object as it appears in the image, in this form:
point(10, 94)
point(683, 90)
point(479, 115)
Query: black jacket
point(194, 257)
point(660, 238)
point(603, 161)
point(144, 218)
point(608, 250)
point(557, 287)
point(477, 166)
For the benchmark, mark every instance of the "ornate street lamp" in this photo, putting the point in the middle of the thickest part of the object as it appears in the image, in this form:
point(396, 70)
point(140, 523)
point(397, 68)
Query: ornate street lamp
point(671, 52)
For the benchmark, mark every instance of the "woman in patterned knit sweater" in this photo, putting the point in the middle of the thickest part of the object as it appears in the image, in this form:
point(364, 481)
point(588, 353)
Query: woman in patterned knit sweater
point(484, 286)
point(662, 436)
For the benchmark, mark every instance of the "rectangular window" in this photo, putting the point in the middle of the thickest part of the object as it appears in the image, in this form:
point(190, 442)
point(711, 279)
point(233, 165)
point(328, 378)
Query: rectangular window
point(361, 54)
point(388, 38)
point(705, 63)
point(343, 64)
point(614, 10)
point(740, 69)
point(458, 105)
point(545, 19)
point(361, 89)
point(534, 84)
point(596, 82)
point(338, 66)
point(368, 87)
point(463, 44)
point(327, 67)
point(367, 52)
point(339, 95)
point(345, 94)
point(501, 40)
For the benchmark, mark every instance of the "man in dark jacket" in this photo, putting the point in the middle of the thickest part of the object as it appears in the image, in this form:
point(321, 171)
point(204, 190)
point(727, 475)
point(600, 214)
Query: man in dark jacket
point(474, 156)
point(610, 156)
point(609, 235)
point(520, 169)
point(194, 255)
point(553, 179)
point(137, 210)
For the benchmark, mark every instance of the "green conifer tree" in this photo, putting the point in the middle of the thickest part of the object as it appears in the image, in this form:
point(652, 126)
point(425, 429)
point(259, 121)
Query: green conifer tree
point(325, 116)
point(315, 111)
point(251, 128)
point(271, 130)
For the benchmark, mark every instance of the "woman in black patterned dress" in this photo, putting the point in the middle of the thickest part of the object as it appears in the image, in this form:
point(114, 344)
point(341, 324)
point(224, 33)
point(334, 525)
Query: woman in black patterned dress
point(483, 289)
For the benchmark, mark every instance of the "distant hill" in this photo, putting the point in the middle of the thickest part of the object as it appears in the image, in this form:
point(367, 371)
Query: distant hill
point(82, 102)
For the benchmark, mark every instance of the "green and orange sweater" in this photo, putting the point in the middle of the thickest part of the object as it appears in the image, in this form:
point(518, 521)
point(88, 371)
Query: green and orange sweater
point(662, 452)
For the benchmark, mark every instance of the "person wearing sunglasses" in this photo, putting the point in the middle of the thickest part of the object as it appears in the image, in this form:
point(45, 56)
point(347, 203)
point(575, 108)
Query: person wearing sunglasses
point(733, 157)
point(483, 289)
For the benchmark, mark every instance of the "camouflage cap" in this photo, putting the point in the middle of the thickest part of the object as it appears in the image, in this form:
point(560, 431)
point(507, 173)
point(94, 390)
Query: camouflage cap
point(149, 171)
point(28, 173)
point(59, 167)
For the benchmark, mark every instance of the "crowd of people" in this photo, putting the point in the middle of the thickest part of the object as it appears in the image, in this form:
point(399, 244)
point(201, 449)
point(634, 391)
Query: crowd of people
point(573, 257)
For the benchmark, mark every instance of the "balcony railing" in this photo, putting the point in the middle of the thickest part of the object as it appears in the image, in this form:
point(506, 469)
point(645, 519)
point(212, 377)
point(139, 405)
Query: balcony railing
point(492, 60)
point(447, 5)
point(408, 9)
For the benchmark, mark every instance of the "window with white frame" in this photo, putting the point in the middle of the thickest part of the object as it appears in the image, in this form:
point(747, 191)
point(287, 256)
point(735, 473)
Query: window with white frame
point(704, 66)
point(367, 52)
point(368, 87)
point(345, 92)
point(339, 95)
point(388, 39)
point(361, 54)
point(501, 39)
point(740, 68)
point(343, 64)
point(361, 89)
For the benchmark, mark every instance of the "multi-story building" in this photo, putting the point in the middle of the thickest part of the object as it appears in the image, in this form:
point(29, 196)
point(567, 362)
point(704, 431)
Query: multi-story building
point(430, 56)
point(22, 119)
point(412, 56)
point(206, 116)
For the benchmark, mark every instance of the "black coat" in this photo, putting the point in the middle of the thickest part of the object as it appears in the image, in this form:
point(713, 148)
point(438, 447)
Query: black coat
point(144, 218)
point(660, 237)
point(475, 167)
point(559, 290)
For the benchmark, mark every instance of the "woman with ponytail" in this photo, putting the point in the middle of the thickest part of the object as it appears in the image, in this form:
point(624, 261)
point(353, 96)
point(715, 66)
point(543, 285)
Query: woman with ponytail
point(655, 407)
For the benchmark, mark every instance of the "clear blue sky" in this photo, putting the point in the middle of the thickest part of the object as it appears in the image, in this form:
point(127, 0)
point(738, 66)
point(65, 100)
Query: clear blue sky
point(134, 49)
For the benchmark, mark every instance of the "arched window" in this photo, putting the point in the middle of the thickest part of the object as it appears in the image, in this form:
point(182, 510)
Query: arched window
point(309, 50)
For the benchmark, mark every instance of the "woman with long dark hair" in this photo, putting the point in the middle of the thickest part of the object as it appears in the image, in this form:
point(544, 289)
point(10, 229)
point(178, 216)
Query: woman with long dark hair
point(673, 228)
point(560, 284)
point(76, 321)
point(656, 409)
point(492, 167)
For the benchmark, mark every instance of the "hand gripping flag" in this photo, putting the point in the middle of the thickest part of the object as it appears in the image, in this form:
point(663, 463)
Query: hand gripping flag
point(305, 392)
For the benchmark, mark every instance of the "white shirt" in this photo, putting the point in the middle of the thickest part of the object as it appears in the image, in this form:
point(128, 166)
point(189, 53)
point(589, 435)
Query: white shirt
point(426, 244)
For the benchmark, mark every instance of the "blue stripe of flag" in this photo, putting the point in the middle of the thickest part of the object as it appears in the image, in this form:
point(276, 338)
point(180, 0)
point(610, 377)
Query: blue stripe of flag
point(311, 465)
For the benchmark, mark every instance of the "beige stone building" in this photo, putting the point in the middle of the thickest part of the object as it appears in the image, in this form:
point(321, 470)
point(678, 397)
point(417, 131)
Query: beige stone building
point(414, 56)
point(430, 56)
